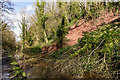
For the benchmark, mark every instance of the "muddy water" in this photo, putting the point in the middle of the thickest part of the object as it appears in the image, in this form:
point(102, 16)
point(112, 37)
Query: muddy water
point(0, 68)
point(6, 67)
point(41, 70)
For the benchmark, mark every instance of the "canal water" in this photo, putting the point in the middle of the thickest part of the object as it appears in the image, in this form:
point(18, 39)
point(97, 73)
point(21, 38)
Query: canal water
point(6, 67)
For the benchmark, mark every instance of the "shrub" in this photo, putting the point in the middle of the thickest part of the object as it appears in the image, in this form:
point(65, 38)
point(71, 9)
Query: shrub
point(33, 51)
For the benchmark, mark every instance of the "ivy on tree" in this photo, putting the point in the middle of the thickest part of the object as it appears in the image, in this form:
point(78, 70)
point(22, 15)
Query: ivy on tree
point(61, 33)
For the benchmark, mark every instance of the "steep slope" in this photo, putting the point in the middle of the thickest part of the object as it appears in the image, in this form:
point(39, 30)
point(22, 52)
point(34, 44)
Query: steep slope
point(95, 56)
point(60, 62)
point(77, 32)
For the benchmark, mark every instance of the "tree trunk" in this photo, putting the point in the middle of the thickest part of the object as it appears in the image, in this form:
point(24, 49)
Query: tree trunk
point(46, 40)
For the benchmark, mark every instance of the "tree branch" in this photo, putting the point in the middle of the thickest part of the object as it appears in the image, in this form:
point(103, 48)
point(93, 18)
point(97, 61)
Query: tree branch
point(93, 51)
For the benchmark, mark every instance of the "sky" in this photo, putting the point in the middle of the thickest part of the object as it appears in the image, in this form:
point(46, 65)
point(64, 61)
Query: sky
point(28, 5)
point(18, 6)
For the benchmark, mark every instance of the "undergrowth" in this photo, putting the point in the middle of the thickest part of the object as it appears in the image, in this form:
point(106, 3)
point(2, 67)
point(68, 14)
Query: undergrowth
point(17, 71)
point(96, 52)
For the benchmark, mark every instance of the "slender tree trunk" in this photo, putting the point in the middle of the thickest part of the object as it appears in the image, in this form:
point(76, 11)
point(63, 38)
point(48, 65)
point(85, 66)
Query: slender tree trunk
point(45, 35)
point(67, 19)
point(23, 35)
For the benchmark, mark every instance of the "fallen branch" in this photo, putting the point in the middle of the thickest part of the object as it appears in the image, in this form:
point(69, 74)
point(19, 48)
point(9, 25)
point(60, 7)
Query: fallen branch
point(105, 62)
point(99, 61)
point(93, 51)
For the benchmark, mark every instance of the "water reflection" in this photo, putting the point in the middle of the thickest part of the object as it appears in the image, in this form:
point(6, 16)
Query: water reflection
point(6, 67)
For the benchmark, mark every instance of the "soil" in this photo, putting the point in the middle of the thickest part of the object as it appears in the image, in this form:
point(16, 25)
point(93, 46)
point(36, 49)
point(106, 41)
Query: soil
point(76, 32)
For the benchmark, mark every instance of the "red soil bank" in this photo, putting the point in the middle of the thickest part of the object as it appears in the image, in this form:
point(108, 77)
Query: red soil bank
point(77, 31)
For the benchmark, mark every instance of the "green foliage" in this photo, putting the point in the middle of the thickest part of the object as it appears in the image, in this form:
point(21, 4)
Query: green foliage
point(30, 38)
point(48, 20)
point(74, 10)
point(8, 38)
point(97, 51)
point(41, 19)
point(83, 11)
point(77, 23)
point(33, 50)
point(61, 32)
point(92, 39)
point(59, 52)
point(100, 43)
point(72, 22)
point(24, 31)
point(17, 71)
point(14, 63)
point(114, 6)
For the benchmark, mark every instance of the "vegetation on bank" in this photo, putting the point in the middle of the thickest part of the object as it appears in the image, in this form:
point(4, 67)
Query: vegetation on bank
point(96, 55)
